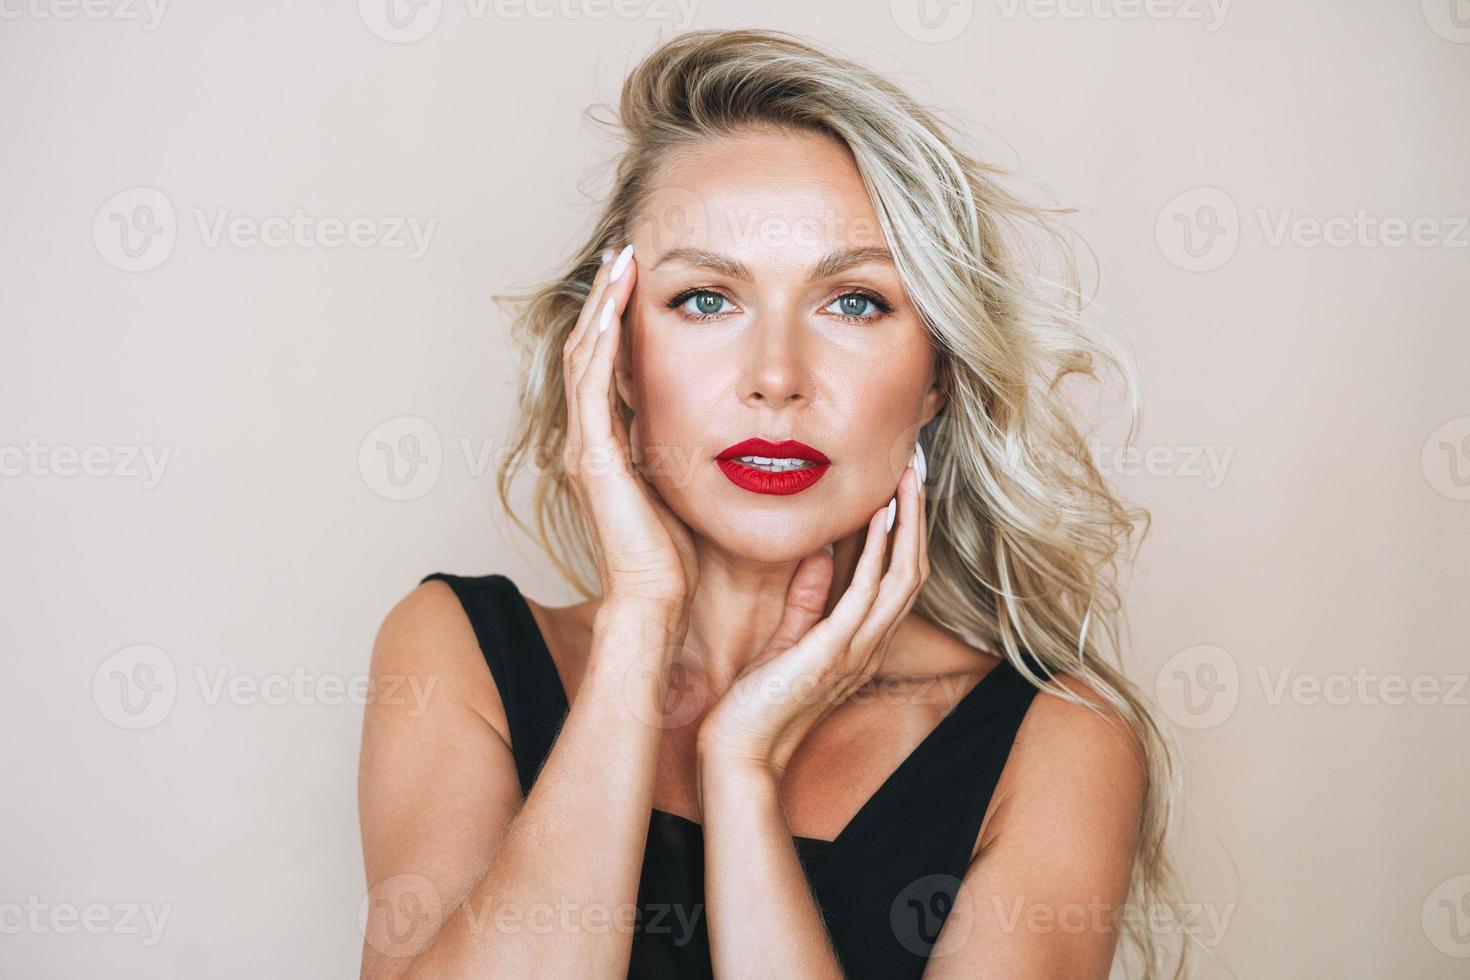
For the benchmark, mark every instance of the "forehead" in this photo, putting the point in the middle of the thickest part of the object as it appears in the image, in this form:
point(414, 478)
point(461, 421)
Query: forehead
point(758, 193)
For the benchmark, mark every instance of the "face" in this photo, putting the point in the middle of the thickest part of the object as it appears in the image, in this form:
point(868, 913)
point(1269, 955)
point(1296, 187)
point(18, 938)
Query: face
point(766, 306)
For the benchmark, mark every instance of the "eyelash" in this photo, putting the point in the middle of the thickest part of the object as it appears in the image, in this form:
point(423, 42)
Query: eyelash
point(675, 304)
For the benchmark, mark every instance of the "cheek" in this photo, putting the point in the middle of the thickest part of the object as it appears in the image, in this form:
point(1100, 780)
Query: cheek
point(676, 390)
point(880, 406)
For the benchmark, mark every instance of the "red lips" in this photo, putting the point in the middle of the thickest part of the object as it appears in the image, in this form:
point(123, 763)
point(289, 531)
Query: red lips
point(764, 481)
point(790, 449)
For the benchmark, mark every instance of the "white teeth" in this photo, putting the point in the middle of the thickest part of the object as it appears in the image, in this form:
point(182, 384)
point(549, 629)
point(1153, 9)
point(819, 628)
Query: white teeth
point(775, 465)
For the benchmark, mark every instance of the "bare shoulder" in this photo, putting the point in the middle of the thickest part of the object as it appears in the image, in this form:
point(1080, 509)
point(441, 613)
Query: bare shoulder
point(1076, 772)
point(437, 780)
point(1092, 735)
point(427, 637)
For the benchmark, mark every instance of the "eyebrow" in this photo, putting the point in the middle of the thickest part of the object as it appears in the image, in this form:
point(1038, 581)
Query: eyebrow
point(830, 264)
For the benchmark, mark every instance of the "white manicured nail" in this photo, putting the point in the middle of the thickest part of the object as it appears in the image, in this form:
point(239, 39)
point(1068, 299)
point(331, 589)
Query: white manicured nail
point(607, 315)
point(892, 512)
point(622, 262)
point(607, 255)
point(920, 463)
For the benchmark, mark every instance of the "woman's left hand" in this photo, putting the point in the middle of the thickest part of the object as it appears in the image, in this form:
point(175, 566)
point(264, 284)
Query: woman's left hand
point(810, 667)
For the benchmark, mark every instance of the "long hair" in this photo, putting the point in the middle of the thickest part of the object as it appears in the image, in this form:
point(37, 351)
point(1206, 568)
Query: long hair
point(1026, 535)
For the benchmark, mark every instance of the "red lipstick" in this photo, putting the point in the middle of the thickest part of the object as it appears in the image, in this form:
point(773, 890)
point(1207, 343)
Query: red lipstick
point(788, 481)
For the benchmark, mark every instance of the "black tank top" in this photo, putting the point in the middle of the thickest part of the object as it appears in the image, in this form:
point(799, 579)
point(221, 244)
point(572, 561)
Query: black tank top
point(884, 886)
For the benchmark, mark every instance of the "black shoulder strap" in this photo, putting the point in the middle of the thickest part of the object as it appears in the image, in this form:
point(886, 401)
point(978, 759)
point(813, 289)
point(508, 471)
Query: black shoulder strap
point(530, 688)
point(887, 886)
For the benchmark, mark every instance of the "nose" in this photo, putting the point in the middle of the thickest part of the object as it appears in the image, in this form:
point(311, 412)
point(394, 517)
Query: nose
point(776, 371)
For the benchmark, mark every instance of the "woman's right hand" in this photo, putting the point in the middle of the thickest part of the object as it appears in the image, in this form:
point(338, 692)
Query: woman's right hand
point(644, 553)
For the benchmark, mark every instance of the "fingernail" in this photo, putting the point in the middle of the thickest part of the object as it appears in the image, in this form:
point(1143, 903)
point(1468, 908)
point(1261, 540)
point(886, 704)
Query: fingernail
point(607, 255)
point(607, 315)
point(892, 512)
point(920, 463)
point(622, 262)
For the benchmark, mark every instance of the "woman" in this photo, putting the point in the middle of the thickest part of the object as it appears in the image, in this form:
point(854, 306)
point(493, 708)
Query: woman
point(832, 707)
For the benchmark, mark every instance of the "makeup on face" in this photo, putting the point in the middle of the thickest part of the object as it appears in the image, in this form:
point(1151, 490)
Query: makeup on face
point(762, 466)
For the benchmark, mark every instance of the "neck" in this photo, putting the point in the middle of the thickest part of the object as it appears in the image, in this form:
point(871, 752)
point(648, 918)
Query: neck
point(738, 605)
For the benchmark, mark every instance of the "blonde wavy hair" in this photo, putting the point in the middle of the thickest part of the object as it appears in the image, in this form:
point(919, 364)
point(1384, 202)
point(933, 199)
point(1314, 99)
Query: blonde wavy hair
point(1026, 535)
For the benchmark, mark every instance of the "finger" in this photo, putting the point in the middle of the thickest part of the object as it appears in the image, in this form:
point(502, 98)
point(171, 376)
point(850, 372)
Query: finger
point(902, 576)
point(921, 516)
point(587, 313)
point(598, 413)
point(577, 349)
point(613, 295)
point(595, 402)
point(901, 582)
point(569, 367)
point(851, 609)
point(609, 310)
point(806, 599)
point(923, 513)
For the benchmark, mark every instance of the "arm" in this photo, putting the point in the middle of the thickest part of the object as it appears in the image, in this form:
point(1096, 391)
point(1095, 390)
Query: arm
point(1045, 896)
point(465, 875)
point(751, 863)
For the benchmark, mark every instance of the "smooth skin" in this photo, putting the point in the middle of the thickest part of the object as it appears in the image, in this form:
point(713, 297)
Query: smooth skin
point(732, 671)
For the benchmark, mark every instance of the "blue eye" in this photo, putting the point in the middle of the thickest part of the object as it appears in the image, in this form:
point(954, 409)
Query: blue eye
point(852, 304)
point(706, 303)
point(859, 306)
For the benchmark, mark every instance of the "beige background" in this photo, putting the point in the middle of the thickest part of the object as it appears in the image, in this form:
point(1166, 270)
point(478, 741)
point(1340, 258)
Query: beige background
point(1307, 410)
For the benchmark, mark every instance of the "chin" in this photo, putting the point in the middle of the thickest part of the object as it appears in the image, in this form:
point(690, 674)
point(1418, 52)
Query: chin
point(763, 536)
